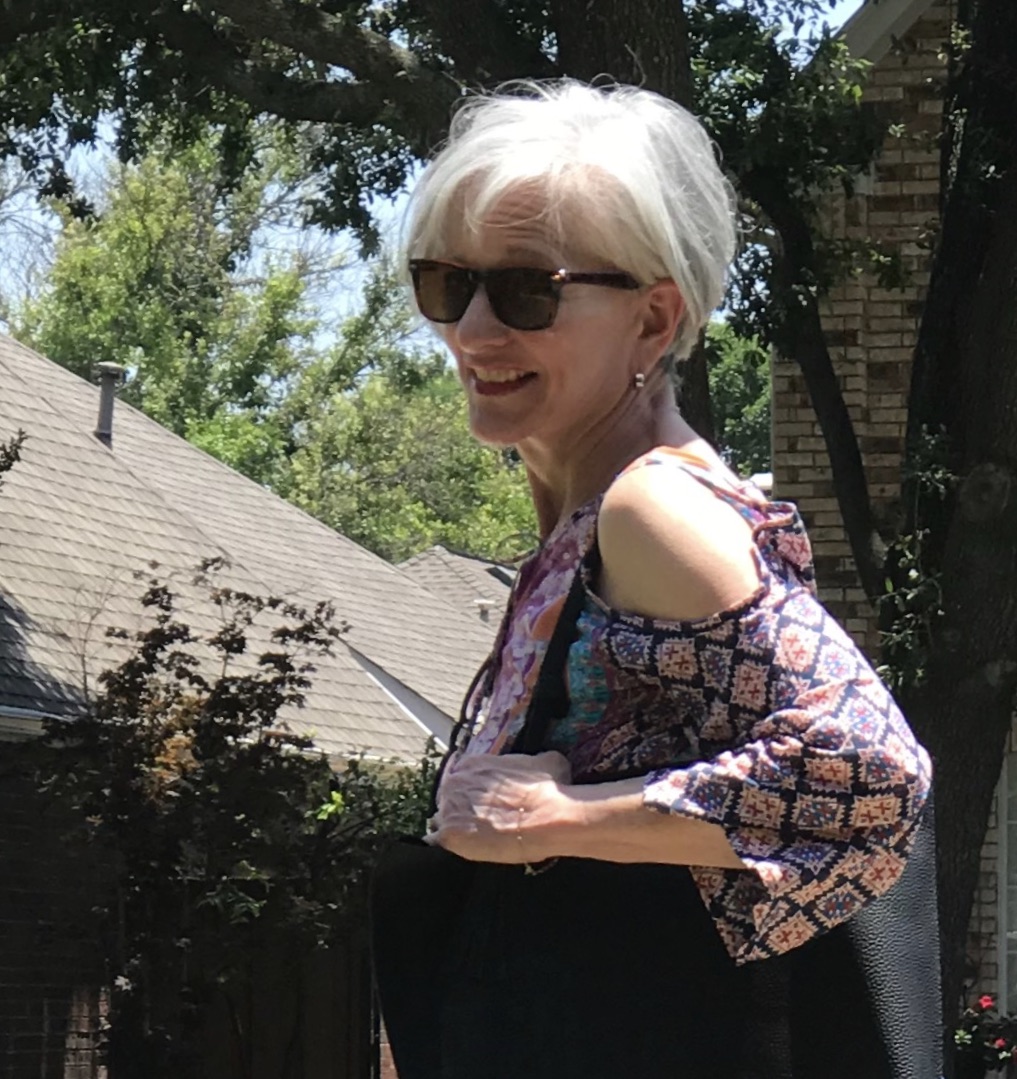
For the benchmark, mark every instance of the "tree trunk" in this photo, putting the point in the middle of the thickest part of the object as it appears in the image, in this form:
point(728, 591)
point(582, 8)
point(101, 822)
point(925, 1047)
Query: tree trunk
point(643, 43)
point(694, 398)
point(799, 336)
point(965, 383)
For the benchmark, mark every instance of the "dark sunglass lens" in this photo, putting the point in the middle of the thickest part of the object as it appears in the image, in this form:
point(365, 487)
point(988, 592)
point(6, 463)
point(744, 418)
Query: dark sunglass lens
point(443, 292)
point(523, 299)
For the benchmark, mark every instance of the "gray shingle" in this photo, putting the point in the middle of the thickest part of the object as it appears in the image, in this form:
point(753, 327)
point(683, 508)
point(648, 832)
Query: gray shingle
point(476, 587)
point(79, 520)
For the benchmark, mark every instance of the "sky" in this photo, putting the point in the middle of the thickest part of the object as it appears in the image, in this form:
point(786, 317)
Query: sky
point(843, 11)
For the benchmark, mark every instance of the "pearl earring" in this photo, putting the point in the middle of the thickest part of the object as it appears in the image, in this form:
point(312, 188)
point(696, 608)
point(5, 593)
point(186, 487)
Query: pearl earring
point(638, 380)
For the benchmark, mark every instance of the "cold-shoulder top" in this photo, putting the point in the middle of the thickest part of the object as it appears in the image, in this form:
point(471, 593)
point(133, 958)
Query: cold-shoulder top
point(764, 719)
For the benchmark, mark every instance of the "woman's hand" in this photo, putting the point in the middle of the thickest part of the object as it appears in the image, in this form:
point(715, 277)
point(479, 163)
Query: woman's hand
point(491, 807)
point(520, 809)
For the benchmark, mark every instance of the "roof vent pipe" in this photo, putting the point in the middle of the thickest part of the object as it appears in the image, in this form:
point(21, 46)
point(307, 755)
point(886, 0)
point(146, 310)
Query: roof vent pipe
point(484, 606)
point(110, 375)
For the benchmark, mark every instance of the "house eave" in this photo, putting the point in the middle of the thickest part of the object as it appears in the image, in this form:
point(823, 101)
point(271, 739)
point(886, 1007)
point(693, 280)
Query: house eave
point(870, 32)
point(17, 723)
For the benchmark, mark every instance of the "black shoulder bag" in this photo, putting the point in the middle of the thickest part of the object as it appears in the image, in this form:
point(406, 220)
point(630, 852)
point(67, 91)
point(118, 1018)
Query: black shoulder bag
point(593, 970)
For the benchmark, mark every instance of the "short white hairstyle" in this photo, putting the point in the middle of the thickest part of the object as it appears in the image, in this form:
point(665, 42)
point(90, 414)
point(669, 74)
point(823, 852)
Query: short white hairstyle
point(634, 174)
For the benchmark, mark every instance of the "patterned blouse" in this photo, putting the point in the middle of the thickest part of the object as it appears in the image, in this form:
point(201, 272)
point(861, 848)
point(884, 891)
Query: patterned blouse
point(764, 719)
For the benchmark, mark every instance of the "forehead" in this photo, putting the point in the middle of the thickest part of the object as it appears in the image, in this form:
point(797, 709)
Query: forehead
point(521, 225)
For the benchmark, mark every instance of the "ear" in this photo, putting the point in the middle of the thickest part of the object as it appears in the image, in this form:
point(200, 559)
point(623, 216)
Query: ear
point(663, 309)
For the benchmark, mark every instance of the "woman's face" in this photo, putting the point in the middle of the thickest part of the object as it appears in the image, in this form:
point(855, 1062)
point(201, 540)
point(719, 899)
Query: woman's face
point(551, 386)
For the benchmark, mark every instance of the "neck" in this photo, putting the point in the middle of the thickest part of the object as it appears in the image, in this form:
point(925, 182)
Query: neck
point(572, 471)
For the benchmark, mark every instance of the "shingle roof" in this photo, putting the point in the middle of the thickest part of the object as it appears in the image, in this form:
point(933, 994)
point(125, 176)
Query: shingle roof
point(476, 587)
point(78, 520)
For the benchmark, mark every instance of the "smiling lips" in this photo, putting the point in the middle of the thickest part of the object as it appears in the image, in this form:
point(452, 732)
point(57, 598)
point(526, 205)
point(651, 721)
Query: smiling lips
point(495, 383)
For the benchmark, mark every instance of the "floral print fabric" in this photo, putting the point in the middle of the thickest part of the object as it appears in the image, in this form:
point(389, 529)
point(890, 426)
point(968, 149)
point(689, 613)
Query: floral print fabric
point(764, 719)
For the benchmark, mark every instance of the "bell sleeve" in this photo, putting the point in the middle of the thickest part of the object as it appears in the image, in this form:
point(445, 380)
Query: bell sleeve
point(806, 763)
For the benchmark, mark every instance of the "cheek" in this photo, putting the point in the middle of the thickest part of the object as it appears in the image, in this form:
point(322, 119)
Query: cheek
point(602, 346)
point(446, 336)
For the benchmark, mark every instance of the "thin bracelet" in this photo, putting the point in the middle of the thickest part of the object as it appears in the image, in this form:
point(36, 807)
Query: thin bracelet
point(528, 869)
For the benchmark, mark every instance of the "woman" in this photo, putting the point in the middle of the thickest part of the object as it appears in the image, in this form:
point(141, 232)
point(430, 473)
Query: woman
point(568, 244)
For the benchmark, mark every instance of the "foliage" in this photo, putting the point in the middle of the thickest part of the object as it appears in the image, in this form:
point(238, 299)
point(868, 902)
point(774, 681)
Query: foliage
point(27, 232)
point(169, 283)
point(360, 425)
point(913, 603)
point(393, 466)
point(985, 1037)
point(226, 829)
point(379, 448)
point(10, 453)
point(739, 371)
point(366, 89)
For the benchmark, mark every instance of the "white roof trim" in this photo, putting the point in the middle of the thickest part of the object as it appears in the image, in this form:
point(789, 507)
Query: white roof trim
point(430, 719)
point(22, 722)
point(869, 32)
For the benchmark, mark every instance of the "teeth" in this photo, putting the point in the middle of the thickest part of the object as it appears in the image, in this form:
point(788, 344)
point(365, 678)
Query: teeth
point(498, 376)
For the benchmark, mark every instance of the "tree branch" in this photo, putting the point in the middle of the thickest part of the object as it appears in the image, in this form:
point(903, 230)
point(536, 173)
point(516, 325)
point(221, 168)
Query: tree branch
point(320, 36)
point(27, 17)
point(801, 338)
point(484, 47)
point(421, 102)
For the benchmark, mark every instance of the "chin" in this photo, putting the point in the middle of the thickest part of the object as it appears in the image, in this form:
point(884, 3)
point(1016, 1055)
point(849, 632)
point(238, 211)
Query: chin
point(495, 431)
point(489, 436)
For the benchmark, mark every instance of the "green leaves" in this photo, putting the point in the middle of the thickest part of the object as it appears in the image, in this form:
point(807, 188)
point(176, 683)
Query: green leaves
point(390, 462)
point(217, 311)
point(332, 808)
point(228, 833)
point(10, 453)
point(173, 281)
point(739, 371)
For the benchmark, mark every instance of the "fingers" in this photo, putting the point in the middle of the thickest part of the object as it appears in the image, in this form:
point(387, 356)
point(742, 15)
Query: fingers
point(483, 799)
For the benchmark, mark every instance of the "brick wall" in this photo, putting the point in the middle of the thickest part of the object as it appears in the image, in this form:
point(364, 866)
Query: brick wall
point(310, 1014)
point(982, 972)
point(872, 332)
point(50, 970)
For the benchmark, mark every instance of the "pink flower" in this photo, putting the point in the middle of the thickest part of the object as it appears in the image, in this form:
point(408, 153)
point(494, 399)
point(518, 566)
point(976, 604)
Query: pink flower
point(999, 1043)
point(986, 1002)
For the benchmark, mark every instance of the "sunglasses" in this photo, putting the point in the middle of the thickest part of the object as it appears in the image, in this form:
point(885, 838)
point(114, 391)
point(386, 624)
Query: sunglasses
point(520, 297)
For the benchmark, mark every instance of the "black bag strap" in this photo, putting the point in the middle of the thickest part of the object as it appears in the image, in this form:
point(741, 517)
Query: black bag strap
point(462, 723)
point(550, 700)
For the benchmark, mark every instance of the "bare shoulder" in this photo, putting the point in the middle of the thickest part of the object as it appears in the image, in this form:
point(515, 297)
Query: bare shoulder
point(672, 548)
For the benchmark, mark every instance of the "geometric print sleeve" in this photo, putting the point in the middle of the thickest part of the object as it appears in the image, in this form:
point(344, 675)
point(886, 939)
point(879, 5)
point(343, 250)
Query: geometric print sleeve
point(804, 760)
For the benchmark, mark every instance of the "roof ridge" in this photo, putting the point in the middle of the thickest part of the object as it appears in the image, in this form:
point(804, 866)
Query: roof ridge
point(124, 463)
point(165, 431)
point(457, 570)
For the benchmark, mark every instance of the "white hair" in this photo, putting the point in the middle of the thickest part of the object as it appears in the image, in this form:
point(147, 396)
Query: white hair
point(632, 172)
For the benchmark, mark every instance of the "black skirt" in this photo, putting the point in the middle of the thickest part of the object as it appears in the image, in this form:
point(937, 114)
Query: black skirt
point(593, 970)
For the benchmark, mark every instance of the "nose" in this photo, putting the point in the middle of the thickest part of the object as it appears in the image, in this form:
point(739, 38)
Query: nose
point(479, 327)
